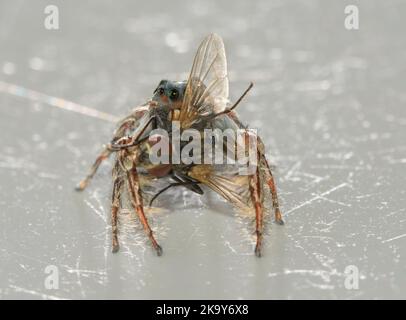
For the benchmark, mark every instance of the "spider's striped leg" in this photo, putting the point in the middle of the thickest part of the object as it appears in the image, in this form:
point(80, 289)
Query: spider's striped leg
point(115, 208)
point(272, 187)
point(102, 156)
point(136, 200)
point(107, 151)
point(256, 198)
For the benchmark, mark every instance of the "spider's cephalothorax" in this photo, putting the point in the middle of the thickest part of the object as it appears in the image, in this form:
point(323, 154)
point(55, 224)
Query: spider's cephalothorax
point(169, 94)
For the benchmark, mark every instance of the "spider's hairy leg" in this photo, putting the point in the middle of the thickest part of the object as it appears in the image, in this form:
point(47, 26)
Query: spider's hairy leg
point(255, 190)
point(102, 156)
point(134, 140)
point(272, 187)
point(115, 207)
point(136, 200)
point(107, 151)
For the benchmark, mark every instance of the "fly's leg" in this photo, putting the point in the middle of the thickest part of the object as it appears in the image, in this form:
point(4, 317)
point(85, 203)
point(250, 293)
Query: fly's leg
point(115, 207)
point(102, 156)
point(188, 184)
point(255, 190)
point(185, 181)
point(136, 200)
point(272, 187)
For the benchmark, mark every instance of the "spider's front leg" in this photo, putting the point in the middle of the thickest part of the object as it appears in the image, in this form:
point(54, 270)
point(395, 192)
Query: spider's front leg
point(125, 124)
point(134, 191)
point(102, 156)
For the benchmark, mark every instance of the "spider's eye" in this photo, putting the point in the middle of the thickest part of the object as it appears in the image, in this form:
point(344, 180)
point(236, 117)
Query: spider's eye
point(174, 94)
point(161, 91)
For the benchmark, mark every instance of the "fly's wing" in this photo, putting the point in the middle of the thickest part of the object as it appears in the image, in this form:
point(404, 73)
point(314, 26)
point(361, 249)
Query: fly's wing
point(207, 88)
point(226, 182)
point(233, 188)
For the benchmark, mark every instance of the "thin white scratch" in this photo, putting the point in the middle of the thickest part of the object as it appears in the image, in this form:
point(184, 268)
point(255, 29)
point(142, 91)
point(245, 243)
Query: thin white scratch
point(316, 179)
point(396, 212)
point(336, 202)
point(320, 286)
point(101, 215)
point(394, 238)
point(227, 243)
point(318, 197)
point(293, 169)
point(84, 271)
point(324, 274)
point(79, 278)
point(35, 293)
point(318, 237)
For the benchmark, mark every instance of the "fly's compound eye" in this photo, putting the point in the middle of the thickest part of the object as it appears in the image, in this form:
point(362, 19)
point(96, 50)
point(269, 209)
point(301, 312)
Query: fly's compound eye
point(174, 94)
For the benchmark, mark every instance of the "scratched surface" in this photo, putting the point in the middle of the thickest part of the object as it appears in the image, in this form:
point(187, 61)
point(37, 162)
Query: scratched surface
point(329, 104)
